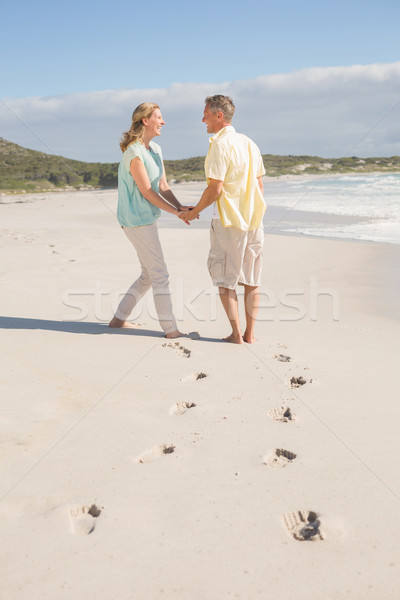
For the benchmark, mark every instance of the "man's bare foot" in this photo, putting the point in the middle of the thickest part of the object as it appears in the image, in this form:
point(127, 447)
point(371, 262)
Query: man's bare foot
point(119, 323)
point(249, 339)
point(234, 339)
point(175, 334)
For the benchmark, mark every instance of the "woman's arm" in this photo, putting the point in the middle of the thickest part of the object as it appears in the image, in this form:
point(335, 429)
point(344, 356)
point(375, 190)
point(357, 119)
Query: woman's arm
point(167, 193)
point(139, 174)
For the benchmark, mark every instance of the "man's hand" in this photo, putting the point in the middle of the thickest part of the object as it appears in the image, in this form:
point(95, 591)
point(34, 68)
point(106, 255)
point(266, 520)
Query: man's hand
point(189, 215)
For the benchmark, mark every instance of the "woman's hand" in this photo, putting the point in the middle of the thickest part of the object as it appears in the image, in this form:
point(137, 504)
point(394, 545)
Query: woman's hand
point(188, 210)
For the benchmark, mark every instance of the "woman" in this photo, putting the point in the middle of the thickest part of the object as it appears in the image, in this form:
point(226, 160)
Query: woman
point(142, 191)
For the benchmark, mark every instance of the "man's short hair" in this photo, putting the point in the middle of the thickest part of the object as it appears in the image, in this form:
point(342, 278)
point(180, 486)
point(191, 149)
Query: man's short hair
point(221, 103)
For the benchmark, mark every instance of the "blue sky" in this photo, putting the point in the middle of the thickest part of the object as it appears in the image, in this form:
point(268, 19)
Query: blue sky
point(65, 47)
point(307, 77)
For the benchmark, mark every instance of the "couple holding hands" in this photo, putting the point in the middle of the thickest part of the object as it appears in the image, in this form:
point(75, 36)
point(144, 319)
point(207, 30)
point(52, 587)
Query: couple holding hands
point(234, 170)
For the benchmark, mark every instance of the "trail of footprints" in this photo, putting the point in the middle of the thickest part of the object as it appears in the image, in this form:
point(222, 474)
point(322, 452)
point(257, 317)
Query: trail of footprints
point(302, 525)
point(83, 518)
point(179, 408)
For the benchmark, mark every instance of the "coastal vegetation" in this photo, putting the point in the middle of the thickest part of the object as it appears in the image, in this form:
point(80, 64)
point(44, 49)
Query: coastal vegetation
point(24, 170)
point(27, 170)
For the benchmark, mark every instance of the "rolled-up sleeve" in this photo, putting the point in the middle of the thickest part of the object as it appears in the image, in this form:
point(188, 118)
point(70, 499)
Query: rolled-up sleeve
point(216, 162)
point(261, 168)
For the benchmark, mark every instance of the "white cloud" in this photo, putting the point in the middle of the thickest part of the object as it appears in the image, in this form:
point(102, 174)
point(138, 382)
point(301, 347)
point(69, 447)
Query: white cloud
point(322, 111)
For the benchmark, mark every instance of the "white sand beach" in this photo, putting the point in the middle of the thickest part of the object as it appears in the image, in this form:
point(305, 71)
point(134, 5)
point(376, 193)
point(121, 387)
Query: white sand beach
point(137, 468)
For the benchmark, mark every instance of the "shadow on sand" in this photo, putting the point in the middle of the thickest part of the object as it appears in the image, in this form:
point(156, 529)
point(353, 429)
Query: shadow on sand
point(84, 327)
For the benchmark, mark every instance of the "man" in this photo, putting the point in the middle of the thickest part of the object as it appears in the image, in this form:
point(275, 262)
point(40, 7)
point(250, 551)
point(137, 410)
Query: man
point(234, 170)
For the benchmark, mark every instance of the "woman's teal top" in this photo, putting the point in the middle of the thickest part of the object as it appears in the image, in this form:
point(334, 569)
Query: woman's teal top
point(133, 208)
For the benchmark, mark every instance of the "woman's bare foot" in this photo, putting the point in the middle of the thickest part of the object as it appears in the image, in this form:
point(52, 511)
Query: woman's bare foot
point(234, 339)
point(119, 323)
point(175, 334)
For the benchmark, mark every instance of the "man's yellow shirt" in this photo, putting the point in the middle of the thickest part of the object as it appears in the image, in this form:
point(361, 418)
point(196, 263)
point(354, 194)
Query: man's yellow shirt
point(236, 160)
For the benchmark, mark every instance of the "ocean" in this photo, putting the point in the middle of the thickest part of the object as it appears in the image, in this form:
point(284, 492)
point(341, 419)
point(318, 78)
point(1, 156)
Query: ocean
point(358, 207)
point(362, 207)
point(353, 207)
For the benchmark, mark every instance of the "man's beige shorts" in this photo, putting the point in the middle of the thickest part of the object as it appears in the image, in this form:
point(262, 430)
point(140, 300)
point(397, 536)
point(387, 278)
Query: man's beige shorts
point(235, 256)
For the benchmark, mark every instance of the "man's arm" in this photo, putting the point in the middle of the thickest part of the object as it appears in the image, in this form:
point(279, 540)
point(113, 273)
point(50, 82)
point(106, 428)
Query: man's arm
point(210, 195)
point(139, 174)
point(260, 184)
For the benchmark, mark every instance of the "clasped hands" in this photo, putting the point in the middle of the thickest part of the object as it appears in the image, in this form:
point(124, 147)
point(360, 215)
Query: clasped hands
point(188, 214)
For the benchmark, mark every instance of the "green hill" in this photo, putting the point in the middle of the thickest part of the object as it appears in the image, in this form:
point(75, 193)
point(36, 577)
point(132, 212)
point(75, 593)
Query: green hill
point(31, 171)
point(315, 165)
point(27, 170)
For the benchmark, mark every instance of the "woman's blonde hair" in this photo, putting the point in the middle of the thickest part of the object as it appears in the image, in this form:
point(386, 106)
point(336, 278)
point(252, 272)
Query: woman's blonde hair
point(135, 133)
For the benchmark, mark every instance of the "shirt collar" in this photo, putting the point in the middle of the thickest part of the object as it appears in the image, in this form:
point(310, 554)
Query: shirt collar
point(221, 132)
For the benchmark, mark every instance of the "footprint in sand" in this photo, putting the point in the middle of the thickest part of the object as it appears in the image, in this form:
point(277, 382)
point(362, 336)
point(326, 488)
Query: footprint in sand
point(155, 453)
point(278, 458)
point(83, 518)
point(284, 414)
point(303, 525)
point(296, 382)
point(179, 349)
point(181, 407)
point(282, 357)
point(193, 377)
